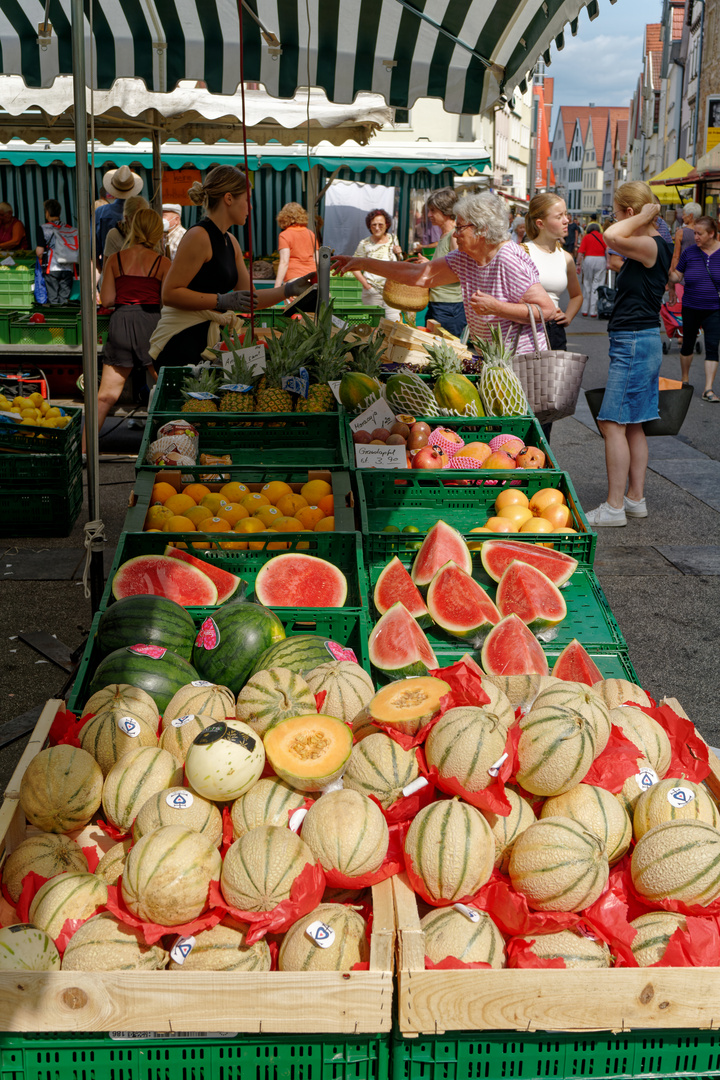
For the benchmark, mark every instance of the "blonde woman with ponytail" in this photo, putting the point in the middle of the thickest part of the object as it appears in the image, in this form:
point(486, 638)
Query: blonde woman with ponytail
point(546, 225)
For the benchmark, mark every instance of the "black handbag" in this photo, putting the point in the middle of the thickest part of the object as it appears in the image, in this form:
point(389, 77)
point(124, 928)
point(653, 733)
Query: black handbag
point(605, 301)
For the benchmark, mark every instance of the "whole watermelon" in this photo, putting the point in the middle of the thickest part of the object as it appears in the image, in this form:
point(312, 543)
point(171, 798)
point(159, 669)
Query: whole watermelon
point(156, 670)
point(300, 653)
point(229, 644)
point(153, 620)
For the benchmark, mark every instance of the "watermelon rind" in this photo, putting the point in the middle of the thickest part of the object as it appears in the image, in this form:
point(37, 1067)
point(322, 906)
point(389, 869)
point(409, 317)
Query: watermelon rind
point(227, 584)
point(459, 605)
point(512, 649)
point(300, 653)
point(154, 620)
point(398, 647)
point(298, 580)
point(497, 554)
point(395, 583)
point(574, 664)
point(525, 591)
point(442, 544)
point(243, 632)
point(159, 575)
point(161, 678)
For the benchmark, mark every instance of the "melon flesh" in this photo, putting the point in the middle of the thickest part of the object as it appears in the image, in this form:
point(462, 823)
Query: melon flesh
point(295, 580)
point(159, 575)
point(398, 646)
point(226, 583)
point(525, 591)
point(396, 584)
point(512, 649)
point(497, 555)
point(575, 665)
point(459, 605)
point(309, 752)
point(441, 545)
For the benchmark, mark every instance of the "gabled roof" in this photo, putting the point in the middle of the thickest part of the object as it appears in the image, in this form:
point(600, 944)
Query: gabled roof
point(569, 115)
point(617, 115)
point(621, 136)
point(678, 17)
point(652, 37)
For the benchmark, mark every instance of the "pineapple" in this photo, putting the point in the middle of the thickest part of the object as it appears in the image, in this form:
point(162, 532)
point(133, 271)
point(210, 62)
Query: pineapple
point(328, 360)
point(286, 355)
point(235, 400)
point(200, 381)
point(453, 391)
point(500, 389)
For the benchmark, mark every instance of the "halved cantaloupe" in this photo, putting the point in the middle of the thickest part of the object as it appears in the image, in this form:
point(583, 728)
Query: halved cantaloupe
point(408, 704)
point(310, 751)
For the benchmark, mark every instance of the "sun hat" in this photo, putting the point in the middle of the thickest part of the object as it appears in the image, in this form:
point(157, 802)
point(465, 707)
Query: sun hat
point(171, 207)
point(122, 183)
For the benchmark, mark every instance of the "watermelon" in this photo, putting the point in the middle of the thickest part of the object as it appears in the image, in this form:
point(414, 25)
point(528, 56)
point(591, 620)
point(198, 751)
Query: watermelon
point(398, 647)
point(300, 653)
point(227, 584)
point(162, 576)
point(459, 605)
point(297, 580)
point(159, 672)
point(396, 584)
point(497, 555)
point(154, 620)
point(575, 665)
point(525, 591)
point(442, 544)
point(512, 649)
point(229, 645)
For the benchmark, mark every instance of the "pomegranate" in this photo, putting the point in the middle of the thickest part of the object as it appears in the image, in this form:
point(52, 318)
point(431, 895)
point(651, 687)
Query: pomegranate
point(429, 458)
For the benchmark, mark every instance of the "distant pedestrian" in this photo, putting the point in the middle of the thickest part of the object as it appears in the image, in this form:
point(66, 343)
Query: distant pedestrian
point(572, 240)
point(518, 230)
point(592, 261)
point(297, 244)
point(175, 231)
point(699, 267)
point(685, 236)
point(446, 304)
point(12, 231)
point(379, 246)
point(118, 235)
point(547, 225)
point(58, 275)
point(119, 185)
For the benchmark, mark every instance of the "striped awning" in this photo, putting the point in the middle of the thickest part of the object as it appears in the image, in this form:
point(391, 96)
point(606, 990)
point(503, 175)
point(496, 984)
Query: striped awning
point(465, 52)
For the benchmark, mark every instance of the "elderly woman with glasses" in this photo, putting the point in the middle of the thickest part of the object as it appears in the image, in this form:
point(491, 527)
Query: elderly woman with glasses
point(497, 278)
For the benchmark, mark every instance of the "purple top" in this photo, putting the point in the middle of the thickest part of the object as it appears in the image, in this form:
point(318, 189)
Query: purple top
point(702, 278)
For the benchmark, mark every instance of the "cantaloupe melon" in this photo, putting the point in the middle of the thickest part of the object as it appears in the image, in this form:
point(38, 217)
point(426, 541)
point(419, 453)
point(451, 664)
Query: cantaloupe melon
point(600, 813)
point(268, 802)
point(347, 687)
point(46, 854)
point(616, 692)
point(577, 950)
point(66, 896)
point(225, 760)
point(309, 752)
point(349, 945)
point(579, 698)
point(499, 704)
point(379, 766)
point(123, 696)
point(673, 799)
point(450, 847)
point(27, 948)
point(133, 779)
point(260, 869)
point(224, 948)
point(112, 864)
point(112, 732)
point(654, 931)
point(507, 827)
point(273, 695)
point(558, 865)
point(179, 806)
point(449, 932)
point(168, 874)
point(520, 690)
point(634, 786)
point(180, 734)
point(678, 860)
point(407, 705)
point(103, 943)
point(649, 737)
point(346, 832)
point(464, 744)
point(201, 698)
point(555, 751)
point(61, 789)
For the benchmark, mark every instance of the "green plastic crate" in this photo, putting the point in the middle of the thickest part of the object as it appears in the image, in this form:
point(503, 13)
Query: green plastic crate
point(28, 438)
point(168, 401)
point(124, 1056)
point(38, 512)
point(16, 287)
point(352, 313)
point(5, 319)
point(345, 287)
point(58, 329)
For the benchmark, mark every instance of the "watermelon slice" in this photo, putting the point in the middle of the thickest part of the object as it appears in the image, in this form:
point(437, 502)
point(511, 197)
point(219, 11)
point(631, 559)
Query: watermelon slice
point(512, 649)
point(227, 584)
point(158, 575)
point(527, 592)
point(497, 555)
point(295, 580)
point(398, 647)
point(396, 584)
point(442, 544)
point(575, 665)
point(459, 605)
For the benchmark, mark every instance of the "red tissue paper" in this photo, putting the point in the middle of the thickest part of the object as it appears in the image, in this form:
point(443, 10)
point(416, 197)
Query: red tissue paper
point(305, 895)
point(151, 931)
point(618, 761)
point(66, 727)
point(689, 752)
point(392, 864)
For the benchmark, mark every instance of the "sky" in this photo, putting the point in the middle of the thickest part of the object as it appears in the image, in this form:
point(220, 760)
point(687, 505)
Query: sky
point(602, 64)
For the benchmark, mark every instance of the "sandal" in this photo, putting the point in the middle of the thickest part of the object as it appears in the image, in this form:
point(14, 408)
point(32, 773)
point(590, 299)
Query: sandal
point(711, 397)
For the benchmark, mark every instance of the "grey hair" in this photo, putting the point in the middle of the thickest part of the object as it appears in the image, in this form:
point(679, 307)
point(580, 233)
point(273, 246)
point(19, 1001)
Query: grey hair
point(693, 208)
point(488, 213)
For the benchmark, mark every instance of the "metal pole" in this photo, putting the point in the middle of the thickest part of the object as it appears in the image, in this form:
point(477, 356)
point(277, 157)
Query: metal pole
point(156, 192)
point(87, 292)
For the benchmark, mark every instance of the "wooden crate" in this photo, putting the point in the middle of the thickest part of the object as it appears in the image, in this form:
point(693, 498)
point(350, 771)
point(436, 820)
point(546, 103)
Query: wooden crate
point(431, 1002)
point(403, 339)
point(351, 1002)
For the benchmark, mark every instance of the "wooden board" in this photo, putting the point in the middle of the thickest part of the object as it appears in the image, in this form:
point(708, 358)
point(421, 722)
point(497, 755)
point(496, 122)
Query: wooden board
point(349, 1003)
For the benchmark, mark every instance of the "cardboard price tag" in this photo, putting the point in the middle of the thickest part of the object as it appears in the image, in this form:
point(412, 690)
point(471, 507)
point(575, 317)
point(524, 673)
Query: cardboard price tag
point(380, 456)
point(254, 355)
point(378, 415)
point(334, 385)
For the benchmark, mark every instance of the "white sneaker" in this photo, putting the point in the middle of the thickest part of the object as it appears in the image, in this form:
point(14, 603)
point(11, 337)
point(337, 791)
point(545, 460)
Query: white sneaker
point(635, 508)
point(608, 515)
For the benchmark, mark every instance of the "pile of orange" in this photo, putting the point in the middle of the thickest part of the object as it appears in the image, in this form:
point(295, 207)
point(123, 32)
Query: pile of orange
point(235, 508)
point(545, 511)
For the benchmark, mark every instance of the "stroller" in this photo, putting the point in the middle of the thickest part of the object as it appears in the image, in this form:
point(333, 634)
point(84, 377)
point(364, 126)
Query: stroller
point(671, 315)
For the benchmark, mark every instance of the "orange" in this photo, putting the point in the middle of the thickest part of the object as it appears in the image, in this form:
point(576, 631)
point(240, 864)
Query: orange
point(544, 498)
point(157, 516)
point(232, 513)
point(196, 491)
point(518, 514)
point(161, 492)
point(253, 501)
point(558, 514)
point(213, 501)
point(198, 514)
point(268, 515)
point(249, 525)
point(314, 490)
point(290, 504)
point(326, 525)
point(289, 524)
point(236, 545)
point(275, 490)
point(537, 524)
point(215, 524)
point(179, 503)
point(179, 524)
point(510, 497)
point(309, 516)
point(260, 545)
point(234, 491)
point(327, 504)
point(498, 524)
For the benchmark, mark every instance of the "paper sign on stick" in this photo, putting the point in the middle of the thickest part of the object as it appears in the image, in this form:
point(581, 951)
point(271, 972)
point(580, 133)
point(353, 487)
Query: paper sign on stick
point(378, 415)
point(380, 456)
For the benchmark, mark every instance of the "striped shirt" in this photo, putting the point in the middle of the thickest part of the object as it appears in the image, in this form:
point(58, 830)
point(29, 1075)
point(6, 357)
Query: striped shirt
point(702, 278)
point(507, 277)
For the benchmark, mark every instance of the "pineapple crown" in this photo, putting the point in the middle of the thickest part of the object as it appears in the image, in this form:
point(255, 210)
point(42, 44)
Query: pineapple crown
point(367, 358)
point(445, 359)
point(200, 380)
point(495, 351)
point(287, 353)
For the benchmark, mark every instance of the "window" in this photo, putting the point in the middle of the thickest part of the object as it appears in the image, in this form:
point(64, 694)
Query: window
point(525, 136)
point(402, 118)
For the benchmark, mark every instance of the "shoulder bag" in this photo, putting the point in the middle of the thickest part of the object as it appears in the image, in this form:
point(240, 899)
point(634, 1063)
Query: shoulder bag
point(551, 378)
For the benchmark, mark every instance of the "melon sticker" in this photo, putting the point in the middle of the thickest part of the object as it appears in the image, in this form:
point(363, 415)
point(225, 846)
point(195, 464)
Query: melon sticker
point(646, 778)
point(296, 819)
point(680, 796)
point(339, 652)
point(415, 785)
point(179, 800)
point(241, 738)
point(211, 734)
point(468, 912)
point(182, 949)
point(201, 682)
point(322, 934)
point(155, 652)
point(208, 635)
point(129, 726)
point(180, 720)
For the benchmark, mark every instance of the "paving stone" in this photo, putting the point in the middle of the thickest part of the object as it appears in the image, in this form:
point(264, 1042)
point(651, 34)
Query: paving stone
point(699, 560)
point(48, 565)
point(634, 561)
point(702, 480)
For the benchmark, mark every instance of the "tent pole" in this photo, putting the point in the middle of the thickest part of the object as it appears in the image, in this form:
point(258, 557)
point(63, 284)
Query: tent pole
point(156, 192)
point(87, 294)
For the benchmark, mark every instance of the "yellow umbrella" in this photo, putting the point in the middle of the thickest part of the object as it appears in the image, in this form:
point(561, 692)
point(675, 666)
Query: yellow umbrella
point(676, 171)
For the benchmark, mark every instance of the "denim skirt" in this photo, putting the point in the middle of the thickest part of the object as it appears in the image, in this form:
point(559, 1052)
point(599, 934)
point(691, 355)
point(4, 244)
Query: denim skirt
point(631, 393)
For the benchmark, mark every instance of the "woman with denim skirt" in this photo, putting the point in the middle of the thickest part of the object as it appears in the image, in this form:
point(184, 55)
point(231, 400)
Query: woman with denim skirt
point(631, 393)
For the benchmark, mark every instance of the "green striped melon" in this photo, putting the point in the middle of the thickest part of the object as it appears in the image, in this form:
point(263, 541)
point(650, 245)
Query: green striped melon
point(577, 950)
point(499, 704)
point(130, 783)
point(379, 766)
point(507, 827)
point(349, 946)
point(671, 800)
point(654, 931)
point(202, 698)
point(301, 653)
point(180, 734)
point(61, 789)
point(616, 692)
point(558, 865)
point(579, 698)
point(103, 943)
point(271, 696)
point(46, 854)
point(179, 806)
point(464, 744)
point(520, 690)
point(123, 696)
point(268, 802)
point(168, 874)
point(449, 932)
point(112, 864)
point(105, 735)
point(346, 831)
point(649, 737)
point(363, 726)
point(160, 672)
point(632, 789)
point(224, 948)
point(678, 860)
point(555, 751)
point(66, 896)
point(347, 687)
point(449, 846)
point(24, 947)
point(156, 620)
point(600, 813)
point(259, 869)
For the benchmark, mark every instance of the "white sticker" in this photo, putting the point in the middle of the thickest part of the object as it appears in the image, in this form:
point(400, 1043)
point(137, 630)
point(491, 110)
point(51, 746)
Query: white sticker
point(181, 720)
point(179, 800)
point(495, 769)
point(468, 912)
point(380, 456)
point(202, 682)
point(334, 385)
point(182, 949)
point(125, 1036)
point(296, 820)
point(378, 415)
point(322, 934)
point(129, 726)
point(255, 357)
point(415, 785)
point(680, 796)
point(339, 323)
point(646, 778)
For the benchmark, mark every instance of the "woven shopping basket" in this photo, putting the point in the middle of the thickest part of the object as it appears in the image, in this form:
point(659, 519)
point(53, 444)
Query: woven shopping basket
point(551, 378)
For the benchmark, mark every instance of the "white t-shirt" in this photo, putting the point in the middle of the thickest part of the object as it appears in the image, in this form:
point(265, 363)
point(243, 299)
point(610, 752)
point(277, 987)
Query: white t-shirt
point(552, 268)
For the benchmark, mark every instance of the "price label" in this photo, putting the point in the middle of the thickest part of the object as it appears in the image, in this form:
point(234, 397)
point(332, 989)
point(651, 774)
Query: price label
point(494, 770)
point(340, 324)
point(182, 949)
point(179, 800)
point(416, 785)
point(380, 456)
point(334, 385)
point(200, 395)
point(646, 778)
point(296, 820)
point(322, 934)
point(129, 726)
point(237, 388)
point(470, 913)
point(180, 721)
point(155, 652)
point(254, 356)
point(202, 682)
point(378, 415)
point(680, 796)
point(297, 384)
point(339, 652)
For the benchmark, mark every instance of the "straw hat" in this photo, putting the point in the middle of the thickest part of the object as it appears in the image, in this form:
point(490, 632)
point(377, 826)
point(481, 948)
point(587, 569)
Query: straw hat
point(122, 182)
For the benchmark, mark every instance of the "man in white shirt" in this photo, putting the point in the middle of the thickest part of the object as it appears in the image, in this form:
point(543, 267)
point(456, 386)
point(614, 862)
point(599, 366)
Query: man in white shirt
point(175, 231)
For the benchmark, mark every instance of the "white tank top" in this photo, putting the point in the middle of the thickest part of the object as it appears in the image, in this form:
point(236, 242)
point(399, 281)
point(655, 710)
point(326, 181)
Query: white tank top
point(552, 267)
